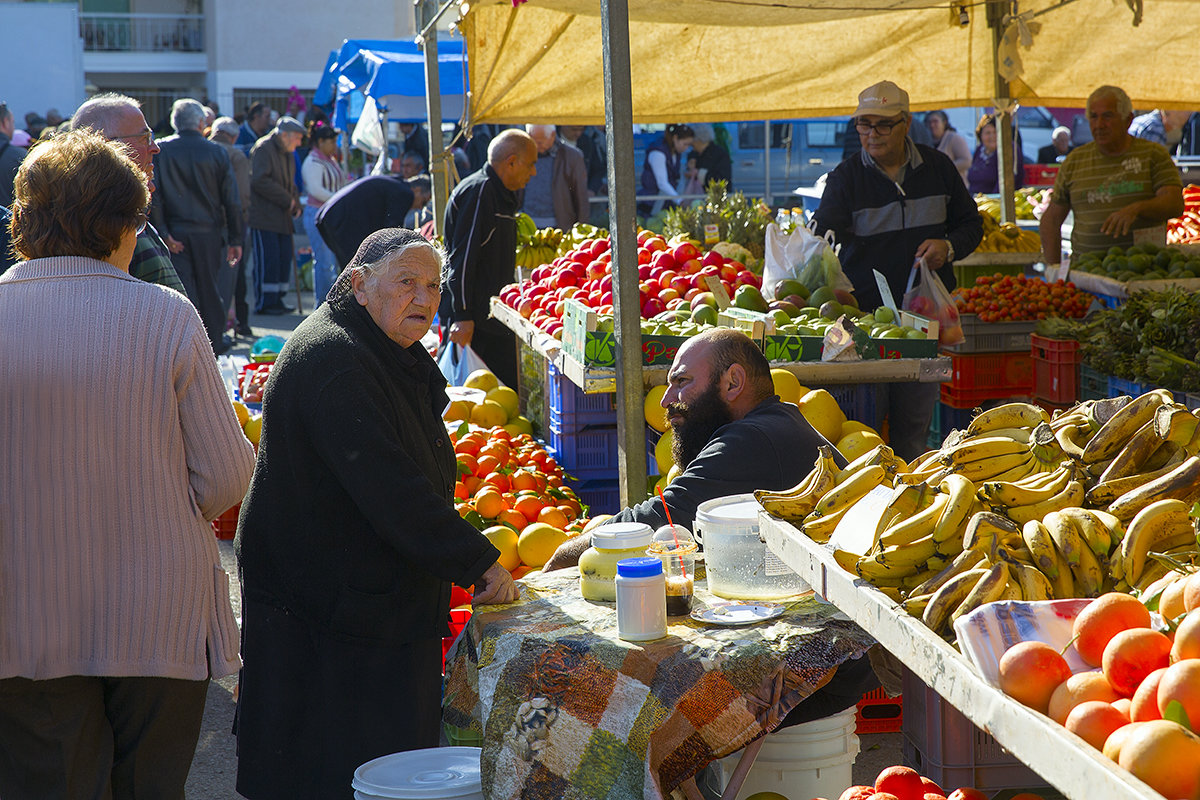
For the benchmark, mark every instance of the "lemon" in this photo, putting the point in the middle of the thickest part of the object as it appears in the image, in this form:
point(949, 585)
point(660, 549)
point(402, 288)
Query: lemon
point(481, 379)
point(507, 398)
point(673, 473)
point(538, 542)
point(656, 415)
point(458, 410)
point(243, 413)
point(823, 413)
point(253, 428)
point(852, 425)
point(596, 522)
point(662, 452)
point(787, 386)
point(489, 414)
point(856, 443)
point(504, 539)
point(519, 425)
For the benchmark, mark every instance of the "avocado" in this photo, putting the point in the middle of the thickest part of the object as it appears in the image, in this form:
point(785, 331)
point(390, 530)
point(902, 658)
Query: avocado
point(749, 298)
point(790, 286)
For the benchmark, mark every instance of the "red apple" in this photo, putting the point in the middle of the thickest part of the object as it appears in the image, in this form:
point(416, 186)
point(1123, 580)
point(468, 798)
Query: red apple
point(581, 257)
point(596, 269)
point(667, 295)
point(712, 257)
point(706, 271)
point(691, 293)
point(537, 274)
point(693, 266)
point(525, 307)
point(739, 265)
point(656, 271)
point(593, 298)
point(682, 284)
point(605, 258)
point(644, 272)
point(558, 308)
point(606, 308)
point(656, 244)
point(606, 283)
point(728, 273)
point(678, 302)
point(685, 251)
point(664, 259)
point(606, 300)
point(600, 246)
point(645, 235)
point(652, 306)
point(564, 278)
point(644, 255)
point(749, 278)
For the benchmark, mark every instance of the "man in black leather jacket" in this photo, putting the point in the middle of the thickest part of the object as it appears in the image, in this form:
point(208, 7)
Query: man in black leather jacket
point(196, 209)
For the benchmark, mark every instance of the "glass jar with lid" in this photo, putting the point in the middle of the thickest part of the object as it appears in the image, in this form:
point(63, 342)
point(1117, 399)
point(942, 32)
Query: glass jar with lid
point(610, 544)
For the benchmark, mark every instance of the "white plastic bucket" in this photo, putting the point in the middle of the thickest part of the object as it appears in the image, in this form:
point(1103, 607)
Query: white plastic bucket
point(739, 565)
point(813, 759)
point(437, 773)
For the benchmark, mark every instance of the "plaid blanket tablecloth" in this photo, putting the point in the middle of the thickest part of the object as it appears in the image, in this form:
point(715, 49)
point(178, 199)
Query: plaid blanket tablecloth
point(566, 709)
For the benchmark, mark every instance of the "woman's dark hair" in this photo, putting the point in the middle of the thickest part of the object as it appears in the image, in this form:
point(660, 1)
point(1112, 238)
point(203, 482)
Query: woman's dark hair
point(319, 129)
point(76, 195)
point(984, 121)
point(675, 132)
point(942, 116)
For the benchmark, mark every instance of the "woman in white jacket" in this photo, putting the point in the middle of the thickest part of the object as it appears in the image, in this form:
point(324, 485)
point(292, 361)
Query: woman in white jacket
point(322, 177)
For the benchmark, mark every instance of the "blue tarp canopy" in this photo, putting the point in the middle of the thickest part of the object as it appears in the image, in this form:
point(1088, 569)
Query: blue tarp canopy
point(393, 73)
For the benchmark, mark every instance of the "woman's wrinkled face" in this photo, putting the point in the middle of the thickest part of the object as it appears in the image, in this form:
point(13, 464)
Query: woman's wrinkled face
point(402, 298)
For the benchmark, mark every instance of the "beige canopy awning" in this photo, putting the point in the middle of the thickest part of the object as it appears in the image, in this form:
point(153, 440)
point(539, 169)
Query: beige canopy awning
point(710, 60)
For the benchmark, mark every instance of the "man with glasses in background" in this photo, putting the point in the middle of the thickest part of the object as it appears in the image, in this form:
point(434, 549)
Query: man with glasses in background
point(890, 206)
point(119, 118)
point(11, 156)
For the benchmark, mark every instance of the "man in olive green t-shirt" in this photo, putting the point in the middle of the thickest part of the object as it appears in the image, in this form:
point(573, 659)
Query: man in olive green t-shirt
point(1114, 184)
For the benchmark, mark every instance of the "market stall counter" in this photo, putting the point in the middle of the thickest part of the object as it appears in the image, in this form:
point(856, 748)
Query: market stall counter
point(1072, 766)
point(566, 708)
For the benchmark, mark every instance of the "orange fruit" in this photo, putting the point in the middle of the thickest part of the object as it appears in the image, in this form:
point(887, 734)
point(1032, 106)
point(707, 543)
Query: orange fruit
point(1181, 682)
point(1187, 638)
point(472, 484)
point(497, 479)
point(1030, 672)
point(1104, 618)
point(531, 506)
point(513, 518)
point(1170, 603)
point(903, 782)
point(1144, 705)
point(931, 787)
point(568, 511)
point(460, 491)
point(967, 793)
point(1157, 753)
point(486, 465)
point(857, 793)
point(1116, 740)
point(1124, 705)
point(1076, 689)
point(1191, 593)
point(463, 509)
point(1094, 720)
point(523, 479)
point(553, 516)
point(498, 449)
point(1133, 654)
point(489, 504)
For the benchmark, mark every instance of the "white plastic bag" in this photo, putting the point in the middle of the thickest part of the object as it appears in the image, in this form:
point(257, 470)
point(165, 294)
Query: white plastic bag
point(457, 363)
point(785, 256)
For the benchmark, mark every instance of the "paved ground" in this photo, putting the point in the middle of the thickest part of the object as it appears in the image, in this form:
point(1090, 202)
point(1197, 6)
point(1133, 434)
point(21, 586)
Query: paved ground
point(214, 768)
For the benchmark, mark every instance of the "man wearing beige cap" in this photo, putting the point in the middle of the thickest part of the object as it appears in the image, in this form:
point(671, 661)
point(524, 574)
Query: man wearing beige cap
point(890, 206)
point(274, 203)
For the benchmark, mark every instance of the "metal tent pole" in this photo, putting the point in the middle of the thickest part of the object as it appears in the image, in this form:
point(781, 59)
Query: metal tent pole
point(440, 183)
point(618, 114)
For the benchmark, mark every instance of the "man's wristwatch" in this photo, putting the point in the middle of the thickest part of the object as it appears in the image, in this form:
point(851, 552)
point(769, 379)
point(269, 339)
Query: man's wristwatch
point(949, 251)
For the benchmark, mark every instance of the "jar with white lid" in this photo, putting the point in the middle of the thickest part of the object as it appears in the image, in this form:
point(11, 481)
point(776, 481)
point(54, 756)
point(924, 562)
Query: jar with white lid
point(641, 599)
point(610, 544)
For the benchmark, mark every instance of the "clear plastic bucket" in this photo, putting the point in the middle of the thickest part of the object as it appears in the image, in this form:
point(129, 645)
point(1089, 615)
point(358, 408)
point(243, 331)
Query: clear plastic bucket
point(739, 565)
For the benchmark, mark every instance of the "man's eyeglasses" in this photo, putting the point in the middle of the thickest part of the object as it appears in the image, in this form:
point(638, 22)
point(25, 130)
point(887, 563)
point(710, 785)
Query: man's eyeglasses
point(142, 218)
point(883, 127)
point(146, 137)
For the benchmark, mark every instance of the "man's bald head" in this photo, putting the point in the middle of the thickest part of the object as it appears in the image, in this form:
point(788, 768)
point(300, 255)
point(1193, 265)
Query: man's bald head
point(513, 155)
point(544, 136)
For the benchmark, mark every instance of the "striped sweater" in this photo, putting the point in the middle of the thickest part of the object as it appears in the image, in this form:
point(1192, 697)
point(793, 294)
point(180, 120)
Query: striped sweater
point(119, 447)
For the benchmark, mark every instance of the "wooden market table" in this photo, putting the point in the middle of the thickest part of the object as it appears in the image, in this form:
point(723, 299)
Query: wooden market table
point(1067, 762)
point(604, 379)
point(558, 699)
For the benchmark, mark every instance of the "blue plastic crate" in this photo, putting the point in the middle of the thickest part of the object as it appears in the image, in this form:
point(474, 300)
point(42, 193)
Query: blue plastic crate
point(1093, 385)
point(571, 409)
point(1119, 386)
point(857, 400)
point(952, 418)
point(591, 453)
point(600, 496)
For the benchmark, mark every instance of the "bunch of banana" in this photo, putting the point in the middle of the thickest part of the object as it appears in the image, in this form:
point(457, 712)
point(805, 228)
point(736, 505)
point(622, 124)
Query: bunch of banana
point(1163, 526)
point(537, 246)
point(798, 502)
point(1007, 443)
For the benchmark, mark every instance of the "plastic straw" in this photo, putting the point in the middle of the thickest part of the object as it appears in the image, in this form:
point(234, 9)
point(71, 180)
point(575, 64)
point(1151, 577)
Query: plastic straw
point(674, 535)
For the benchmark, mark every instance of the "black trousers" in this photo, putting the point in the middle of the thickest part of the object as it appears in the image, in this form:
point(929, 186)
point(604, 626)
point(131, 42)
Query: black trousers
point(314, 706)
point(207, 278)
point(91, 738)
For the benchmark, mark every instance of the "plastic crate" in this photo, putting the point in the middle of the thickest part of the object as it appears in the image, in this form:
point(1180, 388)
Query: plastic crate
point(1040, 174)
point(942, 744)
point(1093, 385)
point(225, 526)
point(587, 453)
point(1108, 300)
point(459, 617)
point(965, 274)
point(993, 337)
point(1119, 386)
point(951, 418)
point(571, 409)
point(600, 496)
point(1055, 369)
point(857, 400)
point(878, 713)
point(979, 377)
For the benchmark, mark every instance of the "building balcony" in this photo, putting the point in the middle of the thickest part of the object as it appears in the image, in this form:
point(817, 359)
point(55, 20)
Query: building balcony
point(142, 33)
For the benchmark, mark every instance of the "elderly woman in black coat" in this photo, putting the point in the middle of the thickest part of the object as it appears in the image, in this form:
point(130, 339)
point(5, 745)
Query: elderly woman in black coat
point(348, 540)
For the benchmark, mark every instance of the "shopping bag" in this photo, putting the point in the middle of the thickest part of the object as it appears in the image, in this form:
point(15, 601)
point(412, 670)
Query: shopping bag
point(930, 298)
point(801, 255)
point(457, 363)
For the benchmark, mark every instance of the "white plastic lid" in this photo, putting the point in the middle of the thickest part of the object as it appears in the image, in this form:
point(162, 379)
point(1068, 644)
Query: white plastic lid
point(736, 509)
point(622, 535)
point(437, 773)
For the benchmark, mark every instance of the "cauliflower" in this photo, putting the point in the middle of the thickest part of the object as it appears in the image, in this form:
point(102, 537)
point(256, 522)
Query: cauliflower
point(734, 251)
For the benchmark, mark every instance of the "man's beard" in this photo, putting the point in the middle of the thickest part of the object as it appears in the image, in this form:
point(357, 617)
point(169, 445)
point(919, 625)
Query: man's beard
point(701, 419)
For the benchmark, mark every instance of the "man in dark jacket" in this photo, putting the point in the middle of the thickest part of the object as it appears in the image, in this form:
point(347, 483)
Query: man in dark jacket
point(891, 205)
point(369, 204)
point(481, 239)
point(274, 203)
point(199, 215)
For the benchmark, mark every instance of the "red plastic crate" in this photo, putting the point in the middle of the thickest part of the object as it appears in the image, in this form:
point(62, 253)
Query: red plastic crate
point(1055, 370)
point(225, 526)
point(1040, 174)
point(878, 713)
point(459, 617)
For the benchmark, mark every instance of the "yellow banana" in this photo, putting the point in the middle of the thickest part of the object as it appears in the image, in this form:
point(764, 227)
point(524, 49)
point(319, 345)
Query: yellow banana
point(1094, 532)
point(881, 455)
point(1158, 522)
point(1064, 584)
point(820, 528)
point(949, 597)
point(1066, 537)
point(846, 560)
point(1089, 577)
point(1041, 547)
point(1174, 423)
point(1034, 585)
point(1069, 436)
point(851, 490)
point(799, 501)
point(913, 554)
point(872, 569)
point(1012, 590)
point(964, 561)
point(1102, 494)
point(916, 526)
point(1111, 437)
point(961, 492)
point(1153, 572)
point(986, 469)
point(1009, 415)
point(986, 447)
point(1010, 493)
point(1138, 448)
point(984, 527)
point(914, 605)
point(1071, 495)
point(987, 589)
point(1181, 483)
